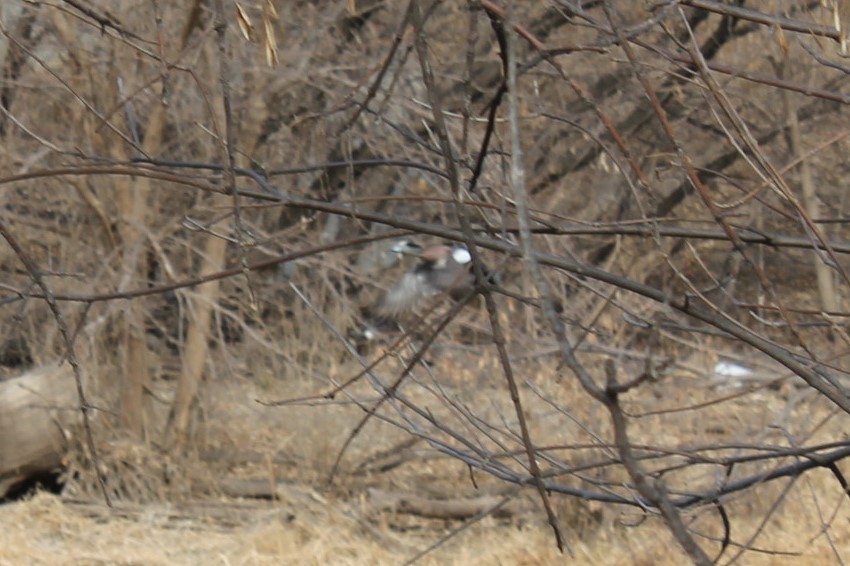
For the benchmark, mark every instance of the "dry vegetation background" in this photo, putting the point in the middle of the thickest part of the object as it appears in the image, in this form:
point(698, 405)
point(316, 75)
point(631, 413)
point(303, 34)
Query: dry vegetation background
point(196, 198)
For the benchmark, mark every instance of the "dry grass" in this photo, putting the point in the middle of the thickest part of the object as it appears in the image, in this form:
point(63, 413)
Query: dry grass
point(47, 530)
point(188, 520)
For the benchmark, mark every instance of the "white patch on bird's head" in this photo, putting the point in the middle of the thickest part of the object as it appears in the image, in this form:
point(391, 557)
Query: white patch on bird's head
point(461, 256)
point(400, 246)
point(405, 246)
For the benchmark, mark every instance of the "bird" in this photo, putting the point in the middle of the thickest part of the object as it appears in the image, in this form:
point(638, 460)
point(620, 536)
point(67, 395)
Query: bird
point(442, 268)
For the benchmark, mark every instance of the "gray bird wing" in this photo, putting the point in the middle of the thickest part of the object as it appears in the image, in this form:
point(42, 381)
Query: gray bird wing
point(405, 294)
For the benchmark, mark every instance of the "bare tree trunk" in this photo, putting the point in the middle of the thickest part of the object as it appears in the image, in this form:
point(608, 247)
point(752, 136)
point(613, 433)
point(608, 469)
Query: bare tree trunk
point(133, 208)
point(135, 377)
point(195, 354)
point(826, 283)
point(132, 397)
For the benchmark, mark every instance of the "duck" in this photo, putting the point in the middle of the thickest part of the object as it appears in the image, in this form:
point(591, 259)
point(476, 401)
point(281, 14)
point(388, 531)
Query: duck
point(442, 268)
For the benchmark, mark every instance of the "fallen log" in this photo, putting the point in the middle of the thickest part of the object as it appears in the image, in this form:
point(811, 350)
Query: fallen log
point(37, 410)
point(251, 488)
point(432, 508)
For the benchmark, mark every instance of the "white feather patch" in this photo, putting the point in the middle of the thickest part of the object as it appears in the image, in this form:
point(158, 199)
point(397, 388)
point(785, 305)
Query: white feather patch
point(731, 369)
point(461, 256)
point(400, 246)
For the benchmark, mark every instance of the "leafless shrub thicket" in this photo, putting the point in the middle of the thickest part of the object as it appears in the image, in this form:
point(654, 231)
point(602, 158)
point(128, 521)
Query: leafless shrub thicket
point(191, 193)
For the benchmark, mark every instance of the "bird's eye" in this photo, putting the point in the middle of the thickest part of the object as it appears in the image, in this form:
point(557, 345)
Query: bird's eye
point(461, 255)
